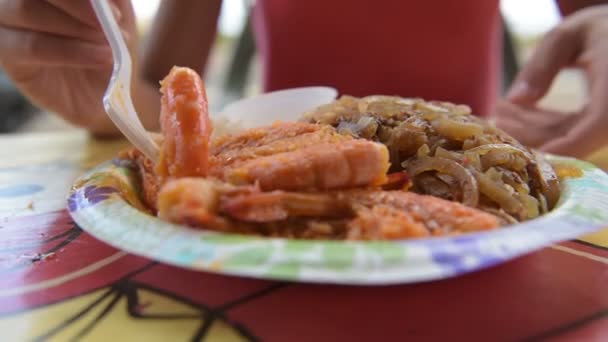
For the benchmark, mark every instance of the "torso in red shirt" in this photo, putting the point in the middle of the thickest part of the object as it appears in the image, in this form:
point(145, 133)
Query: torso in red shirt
point(435, 49)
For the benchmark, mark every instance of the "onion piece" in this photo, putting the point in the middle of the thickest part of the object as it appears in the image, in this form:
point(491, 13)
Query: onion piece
point(456, 130)
point(499, 194)
point(543, 204)
point(423, 151)
point(530, 205)
point(470, 144)
point(366, 127)
point(484, 149)
point(466, 181)
point(443, 153)
point(547, 179)
point(504, 217)
point(515, 181)
point(432, 184)
point(508, 160)
point(472, 160)
point(494, 174)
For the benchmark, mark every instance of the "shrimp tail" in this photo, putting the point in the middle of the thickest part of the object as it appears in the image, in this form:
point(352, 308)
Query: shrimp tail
point(185, 124)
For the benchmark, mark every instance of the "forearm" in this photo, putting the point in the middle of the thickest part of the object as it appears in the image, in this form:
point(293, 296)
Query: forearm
point(182, 34)
point(567, 7)
point(146, 99)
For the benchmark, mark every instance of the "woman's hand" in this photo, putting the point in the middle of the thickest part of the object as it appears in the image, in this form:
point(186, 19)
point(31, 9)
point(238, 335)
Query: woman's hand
point(581, 40)
point(56, 54)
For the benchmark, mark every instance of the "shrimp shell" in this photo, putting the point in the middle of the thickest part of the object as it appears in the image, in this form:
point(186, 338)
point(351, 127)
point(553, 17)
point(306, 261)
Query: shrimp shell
point(185, 125)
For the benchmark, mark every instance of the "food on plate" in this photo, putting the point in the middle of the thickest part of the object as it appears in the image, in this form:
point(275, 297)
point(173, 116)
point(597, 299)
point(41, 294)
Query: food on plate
point(339, 214)
point(298, 156)
point(359, 169)
point(185, 125)
point(289, 156)
point(449, 153)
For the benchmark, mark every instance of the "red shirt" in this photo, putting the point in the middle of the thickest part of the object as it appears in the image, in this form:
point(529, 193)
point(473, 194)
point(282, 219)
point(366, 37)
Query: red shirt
point(435, 49)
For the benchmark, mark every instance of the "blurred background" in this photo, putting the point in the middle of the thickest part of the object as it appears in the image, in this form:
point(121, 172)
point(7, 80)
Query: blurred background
point(234, 70)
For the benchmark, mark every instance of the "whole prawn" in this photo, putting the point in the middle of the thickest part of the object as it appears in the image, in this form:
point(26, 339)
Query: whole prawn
point(185, 125)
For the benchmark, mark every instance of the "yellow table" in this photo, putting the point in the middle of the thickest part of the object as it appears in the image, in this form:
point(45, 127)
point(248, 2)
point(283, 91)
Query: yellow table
point(59, 283)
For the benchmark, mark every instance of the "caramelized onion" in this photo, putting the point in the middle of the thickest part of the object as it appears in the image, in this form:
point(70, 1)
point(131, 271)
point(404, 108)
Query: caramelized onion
point(466, 181)
point(456, 130)
point(439, 140)
point(530, 205)
point(423, 151)
point(543, 203)
point(515, 181)
point(506, 148)
point(504, 217)
point(547, 179)
point(498, 194)
point(511, 161)
point(365, 127)
point(443, 153)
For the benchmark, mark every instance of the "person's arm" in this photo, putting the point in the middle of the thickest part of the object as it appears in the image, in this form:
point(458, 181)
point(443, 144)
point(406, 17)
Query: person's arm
point(580, 40)
point(567, 7)
point(182, 34)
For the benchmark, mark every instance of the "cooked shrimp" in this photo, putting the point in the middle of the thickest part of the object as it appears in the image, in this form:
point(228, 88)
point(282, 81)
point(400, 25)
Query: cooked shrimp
point(196, 202)
point(185, 125)
point(381, 215)
point(280, 205)
point(298, 156)
point(369, 214)
point(324, 166)
point(265, 141)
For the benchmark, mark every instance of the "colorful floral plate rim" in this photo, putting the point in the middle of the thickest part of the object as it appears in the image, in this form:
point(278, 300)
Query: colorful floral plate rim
point(105, 203)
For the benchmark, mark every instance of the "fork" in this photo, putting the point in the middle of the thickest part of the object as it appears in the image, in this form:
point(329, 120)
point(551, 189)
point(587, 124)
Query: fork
point(117, 98)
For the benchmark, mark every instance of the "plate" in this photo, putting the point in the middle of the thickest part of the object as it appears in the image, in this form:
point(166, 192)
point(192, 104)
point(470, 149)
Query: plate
point(105, 203)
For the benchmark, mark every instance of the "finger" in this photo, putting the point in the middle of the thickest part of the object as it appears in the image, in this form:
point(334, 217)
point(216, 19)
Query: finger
point(27, 47)
point(520, 131)
point(590, 133)
point(533, 135)
point(533, 127)
point(127, 14)
point(579, 142)
point(517, 130)
point(83, 11)
point(43, 17)
point(584, 136)
point(504, 114)
point(532, 116)
point(558, 49)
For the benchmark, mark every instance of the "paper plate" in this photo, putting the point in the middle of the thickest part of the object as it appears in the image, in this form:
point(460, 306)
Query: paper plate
point(105, 203)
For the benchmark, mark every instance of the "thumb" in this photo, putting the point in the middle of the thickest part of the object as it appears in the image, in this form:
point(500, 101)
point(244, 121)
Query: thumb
point(557, 49)
point(582, 139)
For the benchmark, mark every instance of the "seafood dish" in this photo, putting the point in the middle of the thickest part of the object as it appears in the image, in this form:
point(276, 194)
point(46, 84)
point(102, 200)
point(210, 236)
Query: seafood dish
point(372, 168)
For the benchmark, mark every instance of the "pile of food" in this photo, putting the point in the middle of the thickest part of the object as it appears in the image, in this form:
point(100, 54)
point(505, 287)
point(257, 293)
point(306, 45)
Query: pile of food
point(449, 153)
point(371, 168)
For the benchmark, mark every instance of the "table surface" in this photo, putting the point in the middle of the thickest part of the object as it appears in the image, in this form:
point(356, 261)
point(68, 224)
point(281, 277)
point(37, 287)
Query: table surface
point(59, 283)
